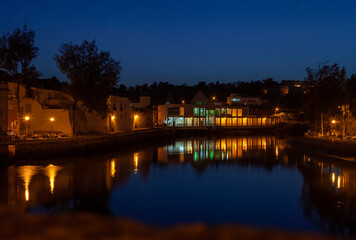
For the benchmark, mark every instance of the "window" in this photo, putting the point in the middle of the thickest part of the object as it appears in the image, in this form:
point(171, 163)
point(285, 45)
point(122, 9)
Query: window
point(234, 112)
point(173, 111)
point(229, 111)
point(217, 112)
point(202, 112)
point(181, 111)
point(28, 108)
point(239, 112)
point(196, 112)
point(223, 111)
point(211, 113)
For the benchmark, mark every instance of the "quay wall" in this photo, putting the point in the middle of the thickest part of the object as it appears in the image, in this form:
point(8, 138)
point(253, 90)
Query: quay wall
point(53, 148)
point(329, 146)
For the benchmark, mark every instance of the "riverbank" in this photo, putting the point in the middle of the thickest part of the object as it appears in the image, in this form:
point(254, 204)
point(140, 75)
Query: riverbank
point(327, 146)
point(18, 225)
point(54, 148)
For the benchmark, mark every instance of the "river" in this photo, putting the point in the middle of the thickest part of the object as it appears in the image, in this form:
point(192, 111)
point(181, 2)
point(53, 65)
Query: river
point(250, 180)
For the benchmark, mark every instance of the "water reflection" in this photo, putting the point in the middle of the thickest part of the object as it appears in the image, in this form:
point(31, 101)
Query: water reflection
point(325, 189)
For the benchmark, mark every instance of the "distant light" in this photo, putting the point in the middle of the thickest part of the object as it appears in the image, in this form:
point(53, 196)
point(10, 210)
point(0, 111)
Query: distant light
point(27, 118)
point(136, 116)
point(214, 98)
point(112, 117)
point(183, 101)
point(277, 108)
point(51, 119)
point(333, 121)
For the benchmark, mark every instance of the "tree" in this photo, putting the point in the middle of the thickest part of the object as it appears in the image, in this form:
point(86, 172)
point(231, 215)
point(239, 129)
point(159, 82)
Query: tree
point(327, 93)
point(93, 74)
point(17, 50)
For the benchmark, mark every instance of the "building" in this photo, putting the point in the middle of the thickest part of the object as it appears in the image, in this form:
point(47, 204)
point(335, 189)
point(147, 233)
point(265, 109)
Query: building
point(3, 107)
point(46, 112)
point(210, 115)
point(143, 113)
point(236, 99)
point(119, 117)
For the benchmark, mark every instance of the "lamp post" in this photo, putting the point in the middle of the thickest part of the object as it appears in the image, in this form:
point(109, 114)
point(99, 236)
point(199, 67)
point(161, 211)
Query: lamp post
point(276, 110)
point(27, 119)
point(135, 119)
point(52, 124)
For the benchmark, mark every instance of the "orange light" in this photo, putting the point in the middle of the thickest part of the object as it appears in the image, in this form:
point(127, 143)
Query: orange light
point(277, 108)
point(51, 119)
point(112, 117)
point(27, 118)
point(333, 121)
point(183, 101)
point(214, 98)
point(136, 116)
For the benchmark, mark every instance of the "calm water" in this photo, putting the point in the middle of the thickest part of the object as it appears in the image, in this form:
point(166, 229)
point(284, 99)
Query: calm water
point(257, 181)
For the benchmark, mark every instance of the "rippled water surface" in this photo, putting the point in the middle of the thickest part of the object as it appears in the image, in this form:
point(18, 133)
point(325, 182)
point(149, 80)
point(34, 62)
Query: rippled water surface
point(257, 181)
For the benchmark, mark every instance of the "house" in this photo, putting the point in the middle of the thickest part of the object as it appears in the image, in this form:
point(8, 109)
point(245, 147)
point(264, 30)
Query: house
point(209, 114)
point(236, 99)
point(119, 116)
point(143, 113)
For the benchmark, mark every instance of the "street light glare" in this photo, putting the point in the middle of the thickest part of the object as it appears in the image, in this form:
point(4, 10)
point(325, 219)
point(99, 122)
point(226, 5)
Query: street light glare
point(51, 119)
point(333, 121)
point(27, 118)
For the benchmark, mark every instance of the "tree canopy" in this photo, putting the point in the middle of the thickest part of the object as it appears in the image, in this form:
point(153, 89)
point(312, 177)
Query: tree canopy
point(92, 73)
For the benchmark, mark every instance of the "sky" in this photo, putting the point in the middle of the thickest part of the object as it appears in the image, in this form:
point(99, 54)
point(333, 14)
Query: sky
point(191, 41)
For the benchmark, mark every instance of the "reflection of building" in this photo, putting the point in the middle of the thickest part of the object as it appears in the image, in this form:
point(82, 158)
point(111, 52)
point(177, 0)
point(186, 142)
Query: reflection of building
point(220, 149)
point(202, 113)
point(329, 195)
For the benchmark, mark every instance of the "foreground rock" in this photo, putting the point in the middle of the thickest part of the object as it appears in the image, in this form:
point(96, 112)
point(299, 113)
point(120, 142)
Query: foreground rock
point(18, 225)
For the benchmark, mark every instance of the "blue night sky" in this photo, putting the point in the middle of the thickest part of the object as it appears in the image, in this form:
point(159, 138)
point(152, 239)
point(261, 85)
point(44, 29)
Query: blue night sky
point(190, 41)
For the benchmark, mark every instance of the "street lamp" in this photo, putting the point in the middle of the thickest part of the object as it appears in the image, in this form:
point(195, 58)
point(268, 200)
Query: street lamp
point(276, 110)
point(27, 119)
point(52, 123)
point(333, 121)
point(214, 98)
point(135, 118)
point(183, 101)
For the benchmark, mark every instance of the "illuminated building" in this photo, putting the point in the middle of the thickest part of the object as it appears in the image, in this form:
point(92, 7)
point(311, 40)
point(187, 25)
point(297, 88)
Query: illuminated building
point(201, 113)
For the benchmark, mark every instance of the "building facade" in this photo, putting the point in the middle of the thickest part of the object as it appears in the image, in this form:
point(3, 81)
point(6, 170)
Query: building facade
point(211, 114)
point(3, 107)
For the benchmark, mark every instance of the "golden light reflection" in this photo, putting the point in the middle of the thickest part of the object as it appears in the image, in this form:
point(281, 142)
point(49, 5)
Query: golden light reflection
point(333, 177)
point(26, 173)
point(338, 181)
point(51, 172)
point(276, 151)
point(135, 162)
point(264, 144)
point(244, 144)
point(112, 167)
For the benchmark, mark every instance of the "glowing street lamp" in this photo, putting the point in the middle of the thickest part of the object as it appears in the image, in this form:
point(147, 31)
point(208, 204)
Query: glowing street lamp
point(214, 98)
point(183, 101)
point(135, 119)
point(52, 122)
point(333, 121)
point(276, 110)
point(27, 119)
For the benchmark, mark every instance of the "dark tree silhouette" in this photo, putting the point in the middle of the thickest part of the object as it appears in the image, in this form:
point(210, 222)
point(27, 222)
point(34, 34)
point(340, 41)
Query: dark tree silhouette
point(17, 50)
point(93, 74)
point(327, 93)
